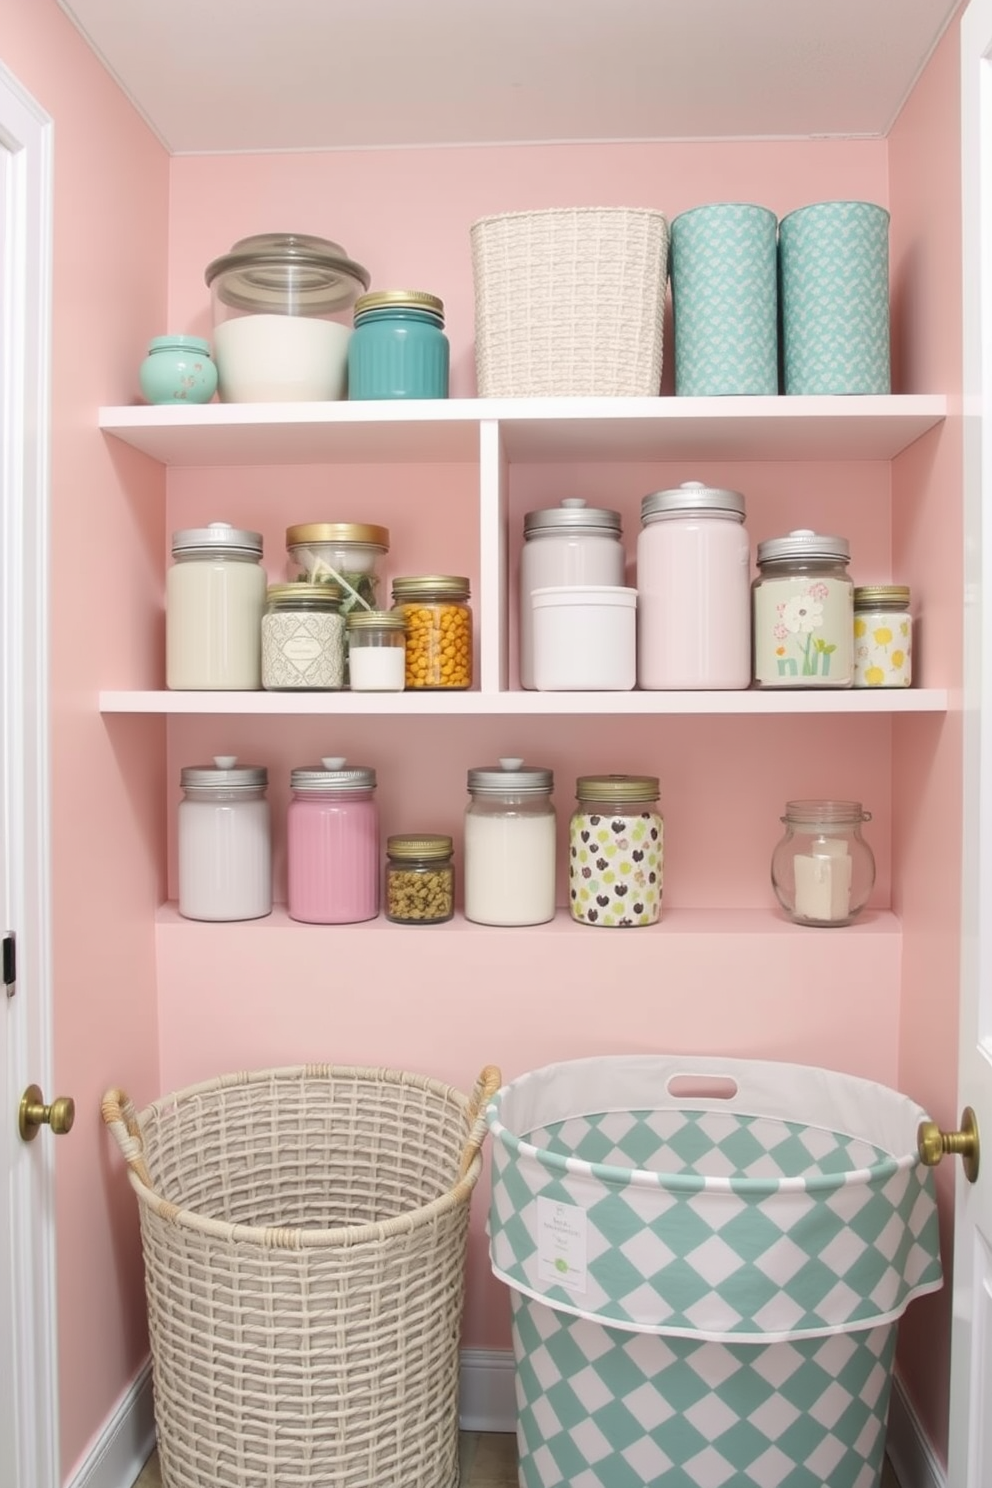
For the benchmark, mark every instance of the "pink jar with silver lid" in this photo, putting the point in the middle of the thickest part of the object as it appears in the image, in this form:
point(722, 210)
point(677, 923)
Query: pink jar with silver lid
point(333, 844)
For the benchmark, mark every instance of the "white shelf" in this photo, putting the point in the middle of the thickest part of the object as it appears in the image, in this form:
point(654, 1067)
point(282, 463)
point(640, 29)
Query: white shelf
point(529, 704)
point(538, 430)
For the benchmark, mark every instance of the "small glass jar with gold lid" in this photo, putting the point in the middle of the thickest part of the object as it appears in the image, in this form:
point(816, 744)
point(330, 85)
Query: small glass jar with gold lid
point(398, 348)
point(883, 636)
point(438, 620)
point(420, 878)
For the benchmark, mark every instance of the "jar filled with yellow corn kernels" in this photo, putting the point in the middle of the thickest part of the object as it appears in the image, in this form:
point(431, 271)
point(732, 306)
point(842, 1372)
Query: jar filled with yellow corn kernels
point(438, 623)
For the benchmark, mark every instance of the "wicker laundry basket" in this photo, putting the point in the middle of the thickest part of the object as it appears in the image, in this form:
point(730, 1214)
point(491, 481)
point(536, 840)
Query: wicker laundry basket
point(569, 302)
point(304, 1235)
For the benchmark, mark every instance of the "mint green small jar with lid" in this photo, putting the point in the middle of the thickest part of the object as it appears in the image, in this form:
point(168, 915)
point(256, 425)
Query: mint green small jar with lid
point(398, 348)
point(178, 369)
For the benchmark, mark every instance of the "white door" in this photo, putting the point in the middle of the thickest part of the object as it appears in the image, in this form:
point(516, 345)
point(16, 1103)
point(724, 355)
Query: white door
point(970, 1447)
point(28, 1399)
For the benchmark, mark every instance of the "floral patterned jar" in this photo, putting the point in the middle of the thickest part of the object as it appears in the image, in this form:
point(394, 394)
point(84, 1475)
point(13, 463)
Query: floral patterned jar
point(883, 636)
point(616, 851)
point(803, 612)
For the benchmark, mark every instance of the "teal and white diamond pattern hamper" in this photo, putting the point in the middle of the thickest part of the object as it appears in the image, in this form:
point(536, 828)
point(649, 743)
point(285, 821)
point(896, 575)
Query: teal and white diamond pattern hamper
point(707, 1262)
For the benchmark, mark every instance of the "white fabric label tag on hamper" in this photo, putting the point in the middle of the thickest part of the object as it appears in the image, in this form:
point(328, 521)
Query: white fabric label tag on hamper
point(561, 1244)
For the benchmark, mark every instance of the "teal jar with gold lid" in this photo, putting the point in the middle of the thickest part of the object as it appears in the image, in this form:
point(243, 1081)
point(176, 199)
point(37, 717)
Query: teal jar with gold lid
point(398, 348)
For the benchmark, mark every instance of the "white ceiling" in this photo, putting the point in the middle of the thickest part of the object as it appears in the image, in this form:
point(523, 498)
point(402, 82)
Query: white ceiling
point(236, 75)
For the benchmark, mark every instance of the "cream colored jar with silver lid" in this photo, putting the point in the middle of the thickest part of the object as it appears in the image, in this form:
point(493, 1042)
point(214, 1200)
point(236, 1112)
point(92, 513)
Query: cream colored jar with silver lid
point(510, 845)
point(565, 545)
point(883, 636)
point(214, 598)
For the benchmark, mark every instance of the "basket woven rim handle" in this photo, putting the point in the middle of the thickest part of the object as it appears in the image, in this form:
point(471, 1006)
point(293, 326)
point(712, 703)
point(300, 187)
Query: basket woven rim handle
point(486, 1086)
point(119, 1114)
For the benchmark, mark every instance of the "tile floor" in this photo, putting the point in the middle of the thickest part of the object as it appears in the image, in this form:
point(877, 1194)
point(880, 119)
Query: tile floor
point(488, 1461)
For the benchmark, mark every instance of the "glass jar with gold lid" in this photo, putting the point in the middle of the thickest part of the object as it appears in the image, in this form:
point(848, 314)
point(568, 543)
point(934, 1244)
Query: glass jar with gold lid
point(398, 348)
point(883, 636)
point(435, 608)
point(420, 879)
point(616, 851)
point(344, 553)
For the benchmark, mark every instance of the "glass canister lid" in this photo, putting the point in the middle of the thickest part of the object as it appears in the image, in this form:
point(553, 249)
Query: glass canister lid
point(804, 543)
point(333, 776)
point(572, 515)
point(691, 496)
point(510, 776)
point(273, 271)
point(867, 596)
point(224, 772)
point(441, 586)
point(218, 537)
point(400, 299)
point(824, 813)
point(616, 790)
point(338, 534)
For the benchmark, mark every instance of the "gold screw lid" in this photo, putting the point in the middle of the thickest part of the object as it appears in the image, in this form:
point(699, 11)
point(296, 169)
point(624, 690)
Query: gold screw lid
point(443, 586)
point(891, 595)
point(406, 845)
point(338, 532)
point(400, 299)
point(375, 620)
point(615, 790)
point(325, 593)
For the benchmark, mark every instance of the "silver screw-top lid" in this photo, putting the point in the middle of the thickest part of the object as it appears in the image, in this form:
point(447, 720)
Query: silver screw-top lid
point(573, 516)
point(692, 496)
point(333, 775)
point(226, 773)
point(510, 776)
point(803, 543)
point(219, 537)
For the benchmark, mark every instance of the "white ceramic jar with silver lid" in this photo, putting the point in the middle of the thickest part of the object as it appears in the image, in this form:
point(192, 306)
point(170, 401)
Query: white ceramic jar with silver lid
point(225, 855)
point(510, 845)
point(693, 590)
point(214, 599)
point(804, 611)
point(565, 545)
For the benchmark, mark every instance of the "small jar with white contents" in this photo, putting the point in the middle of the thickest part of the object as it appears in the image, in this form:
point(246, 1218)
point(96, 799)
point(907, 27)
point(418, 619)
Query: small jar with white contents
point(376, 651)
point(883, 636)
point(225, 856)
point(616, 847)
point(303, 638)
point(510, 845)
point(823, 870)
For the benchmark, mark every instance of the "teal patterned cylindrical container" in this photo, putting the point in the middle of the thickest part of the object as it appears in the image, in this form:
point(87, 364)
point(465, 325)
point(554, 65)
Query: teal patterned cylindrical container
point(725, 300)
point(834, 273)
point(398, 348)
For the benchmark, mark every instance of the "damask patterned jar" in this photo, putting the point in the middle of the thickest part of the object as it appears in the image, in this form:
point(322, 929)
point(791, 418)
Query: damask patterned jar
point(616, 851)
point(883, 636)
point(803, 612)
point(303, 638)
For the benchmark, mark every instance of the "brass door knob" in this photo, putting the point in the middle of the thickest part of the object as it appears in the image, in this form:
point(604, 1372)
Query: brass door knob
point(934, 1143)
point(34, 1113)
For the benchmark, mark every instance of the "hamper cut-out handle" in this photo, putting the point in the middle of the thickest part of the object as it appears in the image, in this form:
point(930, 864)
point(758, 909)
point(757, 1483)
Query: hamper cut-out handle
point(486, 1087)
point(702, 1087)
point(119, 1114)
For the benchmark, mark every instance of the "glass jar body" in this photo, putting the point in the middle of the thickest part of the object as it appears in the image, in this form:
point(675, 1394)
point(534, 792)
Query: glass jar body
point(803, 623)
point(420, 890)
point(178, 369)
point(225, 859)
point(377, 656)
point(354, 566)
point(303, 641)
point(883, 643)
point(823, 870)
point(398, 352)
point(616, 854)
point(510, 851)
point(693, 602)
point(438, 637)
point(214, 603)
point(332, 855)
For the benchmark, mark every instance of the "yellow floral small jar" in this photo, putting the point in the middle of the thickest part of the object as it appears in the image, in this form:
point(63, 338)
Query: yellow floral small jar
point(883, 636)
point(438, 622)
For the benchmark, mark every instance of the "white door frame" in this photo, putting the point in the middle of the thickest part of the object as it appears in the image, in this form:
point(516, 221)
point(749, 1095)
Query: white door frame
point(26, 137)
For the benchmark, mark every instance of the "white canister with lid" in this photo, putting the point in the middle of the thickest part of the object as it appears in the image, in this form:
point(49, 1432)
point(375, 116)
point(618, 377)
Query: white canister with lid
point(225, 855)
point(214, 599)
point(565, 545)
point(693, 590)
point(510, 845)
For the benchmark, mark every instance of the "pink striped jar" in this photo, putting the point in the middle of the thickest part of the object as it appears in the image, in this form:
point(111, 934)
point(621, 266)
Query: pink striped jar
point(333, 844)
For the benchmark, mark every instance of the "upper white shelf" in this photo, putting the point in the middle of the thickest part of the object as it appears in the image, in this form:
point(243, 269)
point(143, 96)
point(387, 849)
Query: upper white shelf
point(537, 430)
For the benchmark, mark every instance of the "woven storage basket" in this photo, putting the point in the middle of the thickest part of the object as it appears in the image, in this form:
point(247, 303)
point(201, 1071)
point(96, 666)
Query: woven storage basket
point(304, 1236)
point(570, 302)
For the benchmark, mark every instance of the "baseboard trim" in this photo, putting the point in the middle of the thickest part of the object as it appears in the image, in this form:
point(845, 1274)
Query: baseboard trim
point(488, 1403)
point(914, 1461)
point(126, 1442)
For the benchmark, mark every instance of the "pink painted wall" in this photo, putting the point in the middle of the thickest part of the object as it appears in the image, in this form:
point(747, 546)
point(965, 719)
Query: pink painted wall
point(924, 174)
point(110, 224)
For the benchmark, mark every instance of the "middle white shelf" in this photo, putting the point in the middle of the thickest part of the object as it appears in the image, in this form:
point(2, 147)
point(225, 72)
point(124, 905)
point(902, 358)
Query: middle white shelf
point(755, 703)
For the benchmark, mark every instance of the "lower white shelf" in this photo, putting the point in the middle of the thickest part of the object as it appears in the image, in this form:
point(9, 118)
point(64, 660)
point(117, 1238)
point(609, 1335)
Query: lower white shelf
point(530, 704)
